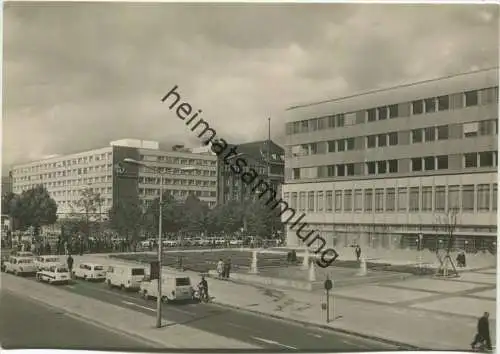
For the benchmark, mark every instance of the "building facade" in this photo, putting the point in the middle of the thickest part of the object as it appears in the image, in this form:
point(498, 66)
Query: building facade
point(268, 163)
point(6, 184)
point(103, 170)
point(387, 167)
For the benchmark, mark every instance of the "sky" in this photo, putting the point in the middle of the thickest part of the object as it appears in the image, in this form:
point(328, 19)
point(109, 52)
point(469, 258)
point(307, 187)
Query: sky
point(79, 75)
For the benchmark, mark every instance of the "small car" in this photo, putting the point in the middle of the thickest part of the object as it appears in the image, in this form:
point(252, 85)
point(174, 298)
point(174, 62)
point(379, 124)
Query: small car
point(20, 265)
point(55, 274)
point(90, 271)
point(46, 261)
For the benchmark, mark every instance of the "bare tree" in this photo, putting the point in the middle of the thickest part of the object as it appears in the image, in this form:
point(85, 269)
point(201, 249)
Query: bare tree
point(89, 204)
point(448, 224)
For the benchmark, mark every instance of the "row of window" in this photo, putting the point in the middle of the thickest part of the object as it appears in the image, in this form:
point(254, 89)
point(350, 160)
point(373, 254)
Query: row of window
point(148, 202)
point(179, 171)
point(417, 136)
point(149, 192)
point(416, 164)
point(429, 105)
point(168, 181)
point(66, 163)
point(467, 198)
point(178, 160)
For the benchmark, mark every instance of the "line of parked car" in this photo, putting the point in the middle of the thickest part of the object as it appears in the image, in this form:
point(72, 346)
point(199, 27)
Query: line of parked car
point(52, 270)
point(195, 242)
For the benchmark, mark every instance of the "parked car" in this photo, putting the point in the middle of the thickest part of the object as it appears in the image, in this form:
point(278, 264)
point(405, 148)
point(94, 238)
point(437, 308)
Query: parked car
point(125, 277)
point(170, 243)
point(236, 242)
point(174, 287)
point(90, 271)
point(22, 254)
point(20, 265)
point(46, 261)
point(55, 274)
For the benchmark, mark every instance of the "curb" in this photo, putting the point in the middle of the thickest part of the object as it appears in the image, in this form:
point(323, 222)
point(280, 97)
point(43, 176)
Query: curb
point(92, 321)
point(403, 346)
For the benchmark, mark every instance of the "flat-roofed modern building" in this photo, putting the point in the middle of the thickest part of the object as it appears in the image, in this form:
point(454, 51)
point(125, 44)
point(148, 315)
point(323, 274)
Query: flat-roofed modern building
point(103, 170)
point(383, 167)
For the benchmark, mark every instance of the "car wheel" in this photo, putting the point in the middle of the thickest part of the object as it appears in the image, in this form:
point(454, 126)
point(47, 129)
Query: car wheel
point(85, 277)
point(145, 295)
point(109, 283)
point(164, 299)
point(122, 287)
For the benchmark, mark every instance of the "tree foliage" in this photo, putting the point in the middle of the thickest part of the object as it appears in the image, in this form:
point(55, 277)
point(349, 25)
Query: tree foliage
point(89, 203)
point(194, 213)
point(127, 219)
point(262, 221)
point(34, 208)
point(172, 214)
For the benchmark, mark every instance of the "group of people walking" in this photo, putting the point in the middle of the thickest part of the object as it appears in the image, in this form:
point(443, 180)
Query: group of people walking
point(224, 268)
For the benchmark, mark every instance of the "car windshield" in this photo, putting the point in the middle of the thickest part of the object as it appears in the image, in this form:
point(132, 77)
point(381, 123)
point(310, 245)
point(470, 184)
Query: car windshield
point(25, 261)
point(62, 270)
point(137, 271)
point(98, 268)
point(182, 281)
point(52, 260)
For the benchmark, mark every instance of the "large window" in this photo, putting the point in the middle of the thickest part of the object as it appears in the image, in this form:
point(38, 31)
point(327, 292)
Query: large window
point(430, 105)
point(338, 201)
point(379, 200)
point(393, 166)
point(414, 192)
point(443, 103)
point(329, 201)
point(418, 107)
point(471, 98)
point(440, 199)
point(319, 201)
point(429, 163)
point(293, 202)
point(442, 162)
point(416, 164)
point(442, 132)
point(382, 113)
point(453, 198)
point(470, 160)
point(310, 201)
point(372, 115)
point(381, 167)
point(430, 134)
point(494, 197)
point(348, 201)
point(426, 198)
point(370, 167)
point(468, 197)
point(382, 140)
point(371, 141)
point(358, 200)
point(416, 136)
point(390, 199)
point(302, 201)
point(402, 199)
point(486, 159)
point(369, 199)
point(483, 197)
point(393, 138)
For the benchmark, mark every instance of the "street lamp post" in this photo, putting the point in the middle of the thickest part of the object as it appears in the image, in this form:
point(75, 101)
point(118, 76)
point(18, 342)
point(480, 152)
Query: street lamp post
point(160, 231)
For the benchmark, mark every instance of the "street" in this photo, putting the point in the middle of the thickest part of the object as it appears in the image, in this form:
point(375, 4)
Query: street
point(263, 331)
point(26, 324)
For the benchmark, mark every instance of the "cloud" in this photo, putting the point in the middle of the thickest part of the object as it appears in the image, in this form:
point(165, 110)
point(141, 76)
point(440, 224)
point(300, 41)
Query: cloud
point(78, 75)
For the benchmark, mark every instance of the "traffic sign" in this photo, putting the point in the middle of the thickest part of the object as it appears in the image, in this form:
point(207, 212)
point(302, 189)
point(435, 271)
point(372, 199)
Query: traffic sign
point(328, 284)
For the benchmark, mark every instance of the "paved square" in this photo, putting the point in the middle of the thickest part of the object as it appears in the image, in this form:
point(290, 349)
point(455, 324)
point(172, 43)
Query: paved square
point(382, 294)
point(489, 271)
point(489, 294)
point(461, 306)
point(479, 278)
point(443, 286)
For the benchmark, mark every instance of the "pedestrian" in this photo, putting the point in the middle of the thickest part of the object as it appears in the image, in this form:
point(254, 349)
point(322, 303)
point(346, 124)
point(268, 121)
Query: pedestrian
point(220, 268)
point(204, 286)
point(228, 268)
point(70, 261)
point(483, 332)
point(358, 252)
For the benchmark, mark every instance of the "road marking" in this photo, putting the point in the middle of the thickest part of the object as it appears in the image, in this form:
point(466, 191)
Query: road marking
point(354, 344)
point(237, 325)
point(314, 335)
point(268, 341)
point(140, 306)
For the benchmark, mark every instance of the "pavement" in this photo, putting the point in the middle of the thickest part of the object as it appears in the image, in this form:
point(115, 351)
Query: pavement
point(188, 325)
point(52, 328)
point(425, 313)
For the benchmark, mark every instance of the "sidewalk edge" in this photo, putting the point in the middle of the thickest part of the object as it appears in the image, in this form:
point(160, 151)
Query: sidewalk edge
point(93, 321)
point(402, 345)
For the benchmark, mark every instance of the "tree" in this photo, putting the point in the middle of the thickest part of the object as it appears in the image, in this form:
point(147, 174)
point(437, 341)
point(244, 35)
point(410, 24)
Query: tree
point(195, 214)
point(127, 219)
point(34, 208)
point(90, 205)
point(447, 223)
point(262, 221)
point(172, 214)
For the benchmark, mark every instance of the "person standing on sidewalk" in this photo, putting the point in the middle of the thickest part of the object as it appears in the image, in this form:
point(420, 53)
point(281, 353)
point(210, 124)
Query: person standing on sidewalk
point(70, 265)
point(228, 267)
point(358, 252)
point(220, 268)
point(483, 332)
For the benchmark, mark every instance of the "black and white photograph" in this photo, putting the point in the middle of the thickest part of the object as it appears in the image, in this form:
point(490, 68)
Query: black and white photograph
point(249, 176)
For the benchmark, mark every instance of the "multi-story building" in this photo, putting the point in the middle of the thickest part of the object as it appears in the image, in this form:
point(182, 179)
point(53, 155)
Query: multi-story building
point(6, 184)
point(269, 164)
point(103, 170)
point(387, 167)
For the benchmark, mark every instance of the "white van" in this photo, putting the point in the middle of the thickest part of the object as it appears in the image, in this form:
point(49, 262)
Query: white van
point(90, 271)
point(20, 265)
point(125, 277)
point(174, 287)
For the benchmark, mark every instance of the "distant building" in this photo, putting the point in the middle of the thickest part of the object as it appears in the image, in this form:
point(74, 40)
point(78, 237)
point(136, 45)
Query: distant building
point(230, 186)
point(105, 172)
point(388, 167)
point(6, 184)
